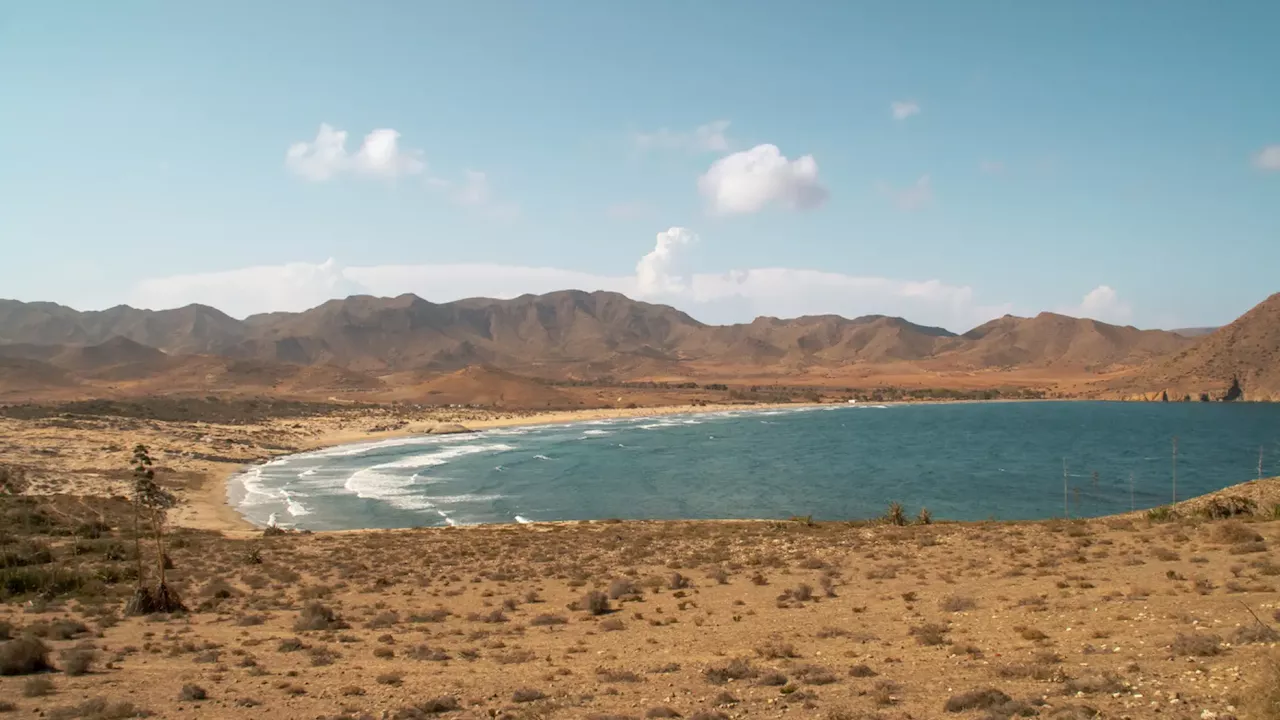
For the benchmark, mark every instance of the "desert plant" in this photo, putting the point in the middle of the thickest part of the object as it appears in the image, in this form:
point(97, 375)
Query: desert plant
point(24, 656)
point(896, 515)
point(924, 517)
point(78, 661)
point(155, 501)
point(192, 693)
point(594, 602)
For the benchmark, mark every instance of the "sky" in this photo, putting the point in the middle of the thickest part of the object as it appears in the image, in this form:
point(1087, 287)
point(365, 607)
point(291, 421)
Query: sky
point(946, 162)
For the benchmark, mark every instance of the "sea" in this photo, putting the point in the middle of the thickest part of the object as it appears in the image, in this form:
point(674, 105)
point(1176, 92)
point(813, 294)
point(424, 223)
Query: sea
point(961, 461)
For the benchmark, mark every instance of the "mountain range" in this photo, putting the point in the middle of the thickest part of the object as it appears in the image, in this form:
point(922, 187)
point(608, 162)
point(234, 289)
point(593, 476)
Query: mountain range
point(369, 344)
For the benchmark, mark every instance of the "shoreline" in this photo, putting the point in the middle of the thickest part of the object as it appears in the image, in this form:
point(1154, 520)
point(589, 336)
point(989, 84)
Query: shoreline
point(210, 508)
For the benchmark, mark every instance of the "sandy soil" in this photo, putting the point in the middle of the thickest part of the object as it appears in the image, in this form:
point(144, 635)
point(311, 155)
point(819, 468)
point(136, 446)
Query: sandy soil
point(1128, 617)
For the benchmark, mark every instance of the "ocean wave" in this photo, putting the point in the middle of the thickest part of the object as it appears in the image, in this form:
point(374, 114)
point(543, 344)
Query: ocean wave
point(307, 473)
point(376, 483)
point(293, 507)
point(462, 499)
point(597, 432)
point(541, 457)
point(661, 424)
point(523, 520)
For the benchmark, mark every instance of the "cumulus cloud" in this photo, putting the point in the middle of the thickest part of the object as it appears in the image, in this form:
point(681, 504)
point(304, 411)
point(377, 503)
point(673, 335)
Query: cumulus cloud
point(657, 273)
point(326, 157)
point(1102, 303)
point(903, 109)
point(1268, 158)
point(705, 138)
point(751, 180)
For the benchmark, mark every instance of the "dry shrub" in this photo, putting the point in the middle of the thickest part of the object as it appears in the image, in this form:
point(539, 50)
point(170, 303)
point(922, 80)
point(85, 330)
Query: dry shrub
point(622, 587)
point(1264, 698)
point(388, 678)
point(1105, 684)
point(661, 712)
point(1196, 645)
point(524, 695)
point(775, 649)
point(1255, 633)
point(612, 625)
point(594, 602)
point(318, 617)
point(37, 686)
point(24, 656)
point(957, 603)
point(930, 634)
point(1031, 634)
point(607, 674)
point(98, 709)
point(427, 708)
point(976, 700)
point(78, 661)
point(736, 669)
point(862, 671)
point(548, 620)
point(1234, 532)
point(192, 693)
point(772, 678)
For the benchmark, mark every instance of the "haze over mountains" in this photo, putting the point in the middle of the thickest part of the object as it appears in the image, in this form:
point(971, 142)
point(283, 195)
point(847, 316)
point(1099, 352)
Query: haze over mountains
point(365, 343)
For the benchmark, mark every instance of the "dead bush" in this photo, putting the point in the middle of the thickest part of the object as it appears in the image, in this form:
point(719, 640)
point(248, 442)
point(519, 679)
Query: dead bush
point(976, 700)
point(318, 617)
point(930, 634)
point(1196, 644)
point(24, 656)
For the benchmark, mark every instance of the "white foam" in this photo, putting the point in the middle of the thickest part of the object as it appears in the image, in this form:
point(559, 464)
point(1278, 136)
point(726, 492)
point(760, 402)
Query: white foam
point(691, 422)
point(523, 520)
point(293, 507)
point(307, 473)
point(596, 432)
point(375, 483)
point(457, 499)
point(541, 457)
point(659, 424)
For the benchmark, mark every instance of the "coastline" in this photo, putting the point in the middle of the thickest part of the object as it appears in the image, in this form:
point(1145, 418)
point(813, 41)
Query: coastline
point(209, 507)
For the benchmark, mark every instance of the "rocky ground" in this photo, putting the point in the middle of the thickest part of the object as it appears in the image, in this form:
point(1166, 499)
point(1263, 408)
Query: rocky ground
point(1169, 614)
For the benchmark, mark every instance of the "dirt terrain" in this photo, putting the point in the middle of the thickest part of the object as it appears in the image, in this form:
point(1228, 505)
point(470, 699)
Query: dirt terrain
point(1166, 614)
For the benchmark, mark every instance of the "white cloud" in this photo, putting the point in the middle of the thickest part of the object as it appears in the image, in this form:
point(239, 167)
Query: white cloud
point(1102, 303)
point(660, 276)
point(705, 138)
point(1268, 158)
point(326, 157)
point(657, 272)
point(245, 291)
point(749, 181)
point(913, 197)
point(903, 109)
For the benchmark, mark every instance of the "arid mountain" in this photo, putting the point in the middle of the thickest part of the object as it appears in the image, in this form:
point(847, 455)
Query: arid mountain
point(386, 345)
point(817, 339)
point(1052, 340)
point(407, 332)
point(186, 330)
point(1247, 350)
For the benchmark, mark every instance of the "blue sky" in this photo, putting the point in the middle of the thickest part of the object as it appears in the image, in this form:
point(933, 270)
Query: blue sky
point(944, 161)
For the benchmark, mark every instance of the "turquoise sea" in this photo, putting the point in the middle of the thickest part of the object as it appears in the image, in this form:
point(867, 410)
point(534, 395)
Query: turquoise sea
point(964, 461)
